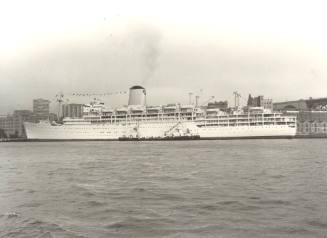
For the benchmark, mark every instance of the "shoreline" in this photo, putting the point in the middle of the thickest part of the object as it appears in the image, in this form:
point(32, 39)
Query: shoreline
point(177, 139)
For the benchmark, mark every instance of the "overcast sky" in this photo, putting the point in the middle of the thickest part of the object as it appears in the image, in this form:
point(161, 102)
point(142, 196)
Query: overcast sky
point(275, 48)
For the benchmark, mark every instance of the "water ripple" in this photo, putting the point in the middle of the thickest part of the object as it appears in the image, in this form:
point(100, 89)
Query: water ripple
point(247, 188)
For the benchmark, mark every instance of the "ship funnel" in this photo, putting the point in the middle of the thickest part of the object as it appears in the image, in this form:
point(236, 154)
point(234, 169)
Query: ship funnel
point(137, 96)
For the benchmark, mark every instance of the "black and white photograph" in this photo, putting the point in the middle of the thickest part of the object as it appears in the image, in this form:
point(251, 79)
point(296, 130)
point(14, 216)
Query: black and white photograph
point(163, 119)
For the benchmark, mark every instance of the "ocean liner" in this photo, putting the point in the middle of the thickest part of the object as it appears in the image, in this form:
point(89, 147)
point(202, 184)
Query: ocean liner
point(136, 121)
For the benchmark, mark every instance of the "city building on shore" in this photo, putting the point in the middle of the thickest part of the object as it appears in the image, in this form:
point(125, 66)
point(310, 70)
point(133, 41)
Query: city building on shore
point(7, 125)
point(312, 123)
point(302, 105)
point(72, 110)
point(12, 125)
point(41, 108)
point(260, 101)
point(311, 115)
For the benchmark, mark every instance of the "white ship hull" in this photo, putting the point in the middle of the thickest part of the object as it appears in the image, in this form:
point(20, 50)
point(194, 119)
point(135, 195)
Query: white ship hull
point(264, 131)
point(107, 131)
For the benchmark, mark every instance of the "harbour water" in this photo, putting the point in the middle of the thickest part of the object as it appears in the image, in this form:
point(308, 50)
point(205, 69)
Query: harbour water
point(236, 188)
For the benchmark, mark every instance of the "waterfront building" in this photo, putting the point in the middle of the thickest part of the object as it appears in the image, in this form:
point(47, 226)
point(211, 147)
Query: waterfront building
point(311, 115)
point(7, 125)
point(260, 101)
point(72, 110)
point(312, 123)
point(13, 125)
point(26, 115)
point(318, 104)
point(41, 108)
point(19, 117)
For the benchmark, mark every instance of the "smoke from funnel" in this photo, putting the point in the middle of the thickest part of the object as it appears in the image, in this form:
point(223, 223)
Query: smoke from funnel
point(147, 41)
point(151, 56)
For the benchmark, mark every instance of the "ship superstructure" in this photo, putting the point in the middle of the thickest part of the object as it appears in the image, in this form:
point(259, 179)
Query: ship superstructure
point(138, 121)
